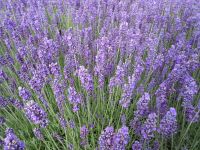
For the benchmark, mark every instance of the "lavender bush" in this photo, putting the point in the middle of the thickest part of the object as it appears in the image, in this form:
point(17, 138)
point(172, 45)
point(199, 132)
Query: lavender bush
point(100, 74)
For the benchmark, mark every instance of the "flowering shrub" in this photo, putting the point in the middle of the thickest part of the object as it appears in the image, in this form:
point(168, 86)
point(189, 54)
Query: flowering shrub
point(99, 74)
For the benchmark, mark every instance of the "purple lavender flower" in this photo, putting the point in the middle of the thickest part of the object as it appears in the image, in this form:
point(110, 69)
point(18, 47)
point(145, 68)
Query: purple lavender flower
point(161, 99)
point(3, 102)
point(137, 146)
point(136, 124)
point(168, 124)
point(142, 106)
point(55, 70)
point(192, 114)
point(3, 75)
point(38, 133)
point(149, 127)
point(70, 146)
point(24, 93)
point(56, 136)
point(2, 120)
point(58, 88)
point(1, 143)
point(127, 92)
point(118, 79)
point(62, 121)
point(83, 135)
point(139, 68)
point(36, 114)
point(47, 50)
point(121, 138)
point(123, 119)
point(189, 88)
point(12, 142)
point(84, 132)
point(74, 98)
point(37, 81)
point(72, 124)
point(106, 139)
point(85, 78)
point(16, 103)
point(156, 145)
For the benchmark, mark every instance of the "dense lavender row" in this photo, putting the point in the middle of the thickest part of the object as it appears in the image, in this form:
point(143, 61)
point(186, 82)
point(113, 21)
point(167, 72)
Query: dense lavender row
point(100, 74)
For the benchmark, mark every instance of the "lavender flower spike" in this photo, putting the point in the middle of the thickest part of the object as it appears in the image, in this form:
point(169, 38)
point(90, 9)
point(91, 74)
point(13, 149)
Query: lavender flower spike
point(137, 146)
point(149, 127)
point(83, 135)
point(168, 124)
point(142, 105)
point(86, 79)
point(25, 94)
point(74, 98)
point(11, 141)
point(38, 133)
point(106, 139)
point(127, 92)
point(121, 139)
point(36, 114)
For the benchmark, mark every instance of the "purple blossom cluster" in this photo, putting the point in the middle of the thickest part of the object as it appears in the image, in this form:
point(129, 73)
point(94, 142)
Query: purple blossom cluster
point(168, 124)
point(114, 141)
point(74, 98)
point(98, 62)
point(36, 114)
point(86, 79)
point(11, 141)
point(149, 126)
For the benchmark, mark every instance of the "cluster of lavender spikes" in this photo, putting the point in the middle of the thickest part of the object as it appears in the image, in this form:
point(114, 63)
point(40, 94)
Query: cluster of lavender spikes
point(93, 61)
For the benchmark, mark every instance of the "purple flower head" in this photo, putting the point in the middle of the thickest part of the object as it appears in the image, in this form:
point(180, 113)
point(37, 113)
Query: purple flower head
point(189, 88)
point(161, 99)
point(83, 135)
point(58, 88)
point(127, 92)
point(85, 78)
point(3, 102)
point(158, 63)
point(11, 141)
point(72, 124)
point(24, 93)
point(55, 69)
point(2, 120)
point(16, 103)
point(38, 133)
point(121, 139)
point(118, 79)
point(37, 81)
point(62, 121)
point(36, 114)
point(192, 114)
point(168, 124)
point(136, 124)
point(142, 106)
point(1, 143)
point(149, 127)
point(47, 50)
point(156, 145)
point(84, 132)
point(123, 119)
point(137, 146)
point(106, 139)
point(70, 146)
point(74, 98)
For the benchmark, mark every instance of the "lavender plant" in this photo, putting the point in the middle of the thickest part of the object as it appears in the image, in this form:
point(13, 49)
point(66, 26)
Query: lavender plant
point(100, 74)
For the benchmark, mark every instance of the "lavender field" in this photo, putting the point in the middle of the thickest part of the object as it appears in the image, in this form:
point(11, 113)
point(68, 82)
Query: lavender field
point(100, 74)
